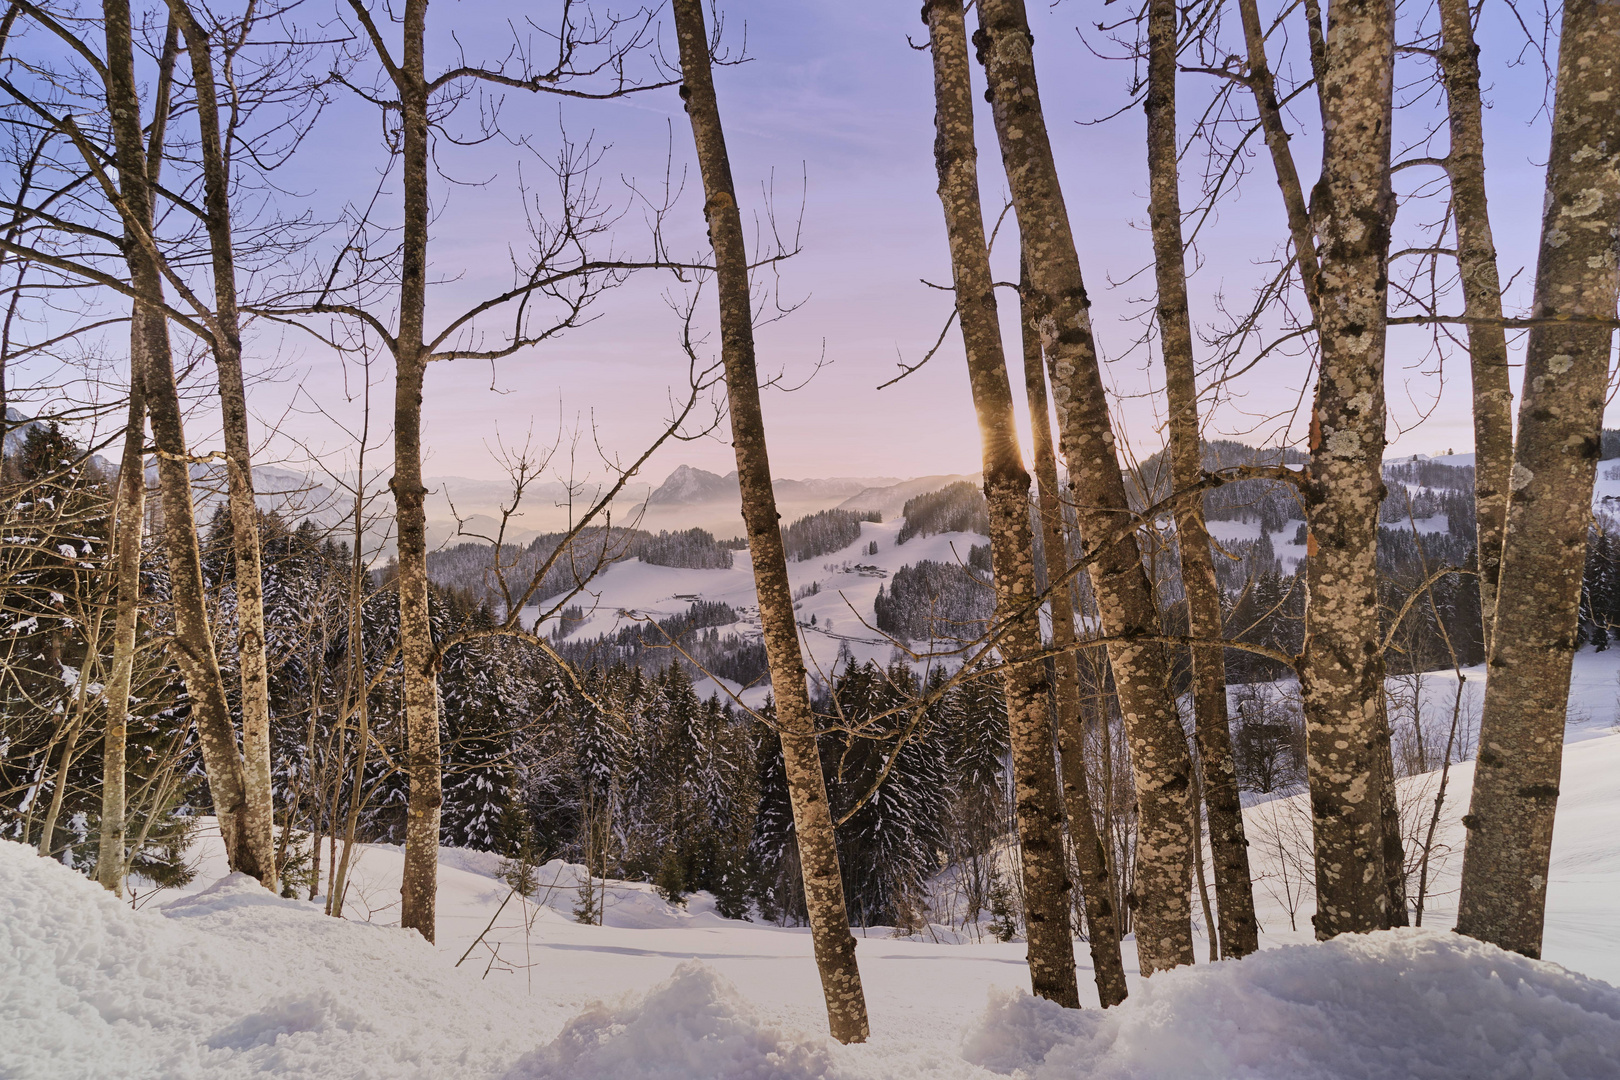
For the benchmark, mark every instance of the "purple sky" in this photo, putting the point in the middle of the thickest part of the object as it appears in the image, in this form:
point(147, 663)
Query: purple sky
point(834, 95)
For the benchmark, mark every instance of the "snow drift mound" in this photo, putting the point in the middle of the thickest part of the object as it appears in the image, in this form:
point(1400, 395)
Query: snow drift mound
point(1422, 1004)
point(232, 981)
point(693, 1024)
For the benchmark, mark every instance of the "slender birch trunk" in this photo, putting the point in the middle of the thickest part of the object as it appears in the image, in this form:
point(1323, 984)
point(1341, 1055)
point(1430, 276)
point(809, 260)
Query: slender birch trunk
point(193, 642)
point(1160, 762)
point(1341, 667)
point(1234, 894)
point(419, 884)
point(1521, 737)
point(1264, 88)
point(129, 514)
point(1458, 58)
point(1097, 885)
point(812, 818)
point(1006, 487)
point(226, 344)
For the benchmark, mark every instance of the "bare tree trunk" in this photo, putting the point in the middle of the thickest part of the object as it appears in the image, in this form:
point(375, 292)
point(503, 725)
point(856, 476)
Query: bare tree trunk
point(812, 818)
point(1393, 845)
point(1264, 88)
point(1161, 765)
point(193, 642)
point(1006, 487)
point(1097, 885)
point(1521, 736)
point(419, 885)
point(1458, 58)
point(1234, 894)
point(129, 515)
point(226, 342)
point(1341, 668)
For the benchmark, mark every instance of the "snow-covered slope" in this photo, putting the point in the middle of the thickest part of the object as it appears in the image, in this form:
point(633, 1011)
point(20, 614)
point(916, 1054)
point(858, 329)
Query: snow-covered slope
point(232, 982)
point(848, 583)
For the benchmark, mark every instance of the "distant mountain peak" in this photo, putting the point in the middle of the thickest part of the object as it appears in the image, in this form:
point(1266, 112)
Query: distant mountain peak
point(689, 485)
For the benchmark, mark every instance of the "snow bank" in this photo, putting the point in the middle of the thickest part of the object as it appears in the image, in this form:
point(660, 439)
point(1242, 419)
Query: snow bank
point(1417, 1003)
point(694, 1024)
point(230, 982)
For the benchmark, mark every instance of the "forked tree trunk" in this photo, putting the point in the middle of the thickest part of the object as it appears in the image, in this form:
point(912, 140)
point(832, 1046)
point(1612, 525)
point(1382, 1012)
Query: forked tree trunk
point(129, 520)
point(1341, 666)
point(1097, 885)
point(193, 642)
point(812, 818)
point(420, 881)
point(1521, 735)
point(1234, 894)
point(1458, 58)
point(1161, 765)
point(226, 343)
point(1006, 487)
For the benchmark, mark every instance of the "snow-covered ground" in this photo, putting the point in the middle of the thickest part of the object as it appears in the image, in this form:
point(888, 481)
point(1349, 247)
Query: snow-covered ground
point(224, 980)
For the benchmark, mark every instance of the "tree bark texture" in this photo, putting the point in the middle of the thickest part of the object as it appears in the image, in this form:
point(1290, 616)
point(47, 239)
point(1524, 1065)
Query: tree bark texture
point(226, 344)
point(1521, 737)
point(420, 882)
point(193, 642)
point(1234, 894)
point(1458, 58)
point(1160, 762)
point(1097, 885)
point(1006, 488)
point(1341, 666)
point(812, 818)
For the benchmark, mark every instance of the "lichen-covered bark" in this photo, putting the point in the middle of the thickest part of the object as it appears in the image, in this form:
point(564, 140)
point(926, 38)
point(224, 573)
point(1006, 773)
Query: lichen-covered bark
point(1341, 666)
point(1458, 57)
point(1006, 487)
point(1521, 737)
point(226, 345)
point(419, 885)
point(812, 819)
point(1161, 765)
point(1097, 885)
point(1234, 894)
point(193, 643)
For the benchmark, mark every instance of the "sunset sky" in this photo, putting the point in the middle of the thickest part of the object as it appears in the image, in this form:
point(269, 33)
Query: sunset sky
point(835, 107)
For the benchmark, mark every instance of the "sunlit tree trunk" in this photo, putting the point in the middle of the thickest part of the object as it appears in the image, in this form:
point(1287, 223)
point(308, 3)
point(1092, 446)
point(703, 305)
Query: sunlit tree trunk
point(1006, 487)
point(1458, 58)
point(1097, 885)
point(1521, 736)
point(226, 344)
point(1341, 667)
point(1234, 895)
point(1160, 761)
point(812, 818)
point(419, 885)
point(193, 643)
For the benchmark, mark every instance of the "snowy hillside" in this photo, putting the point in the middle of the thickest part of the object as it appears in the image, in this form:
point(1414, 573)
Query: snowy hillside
point(837, 614)
point(228, 981)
